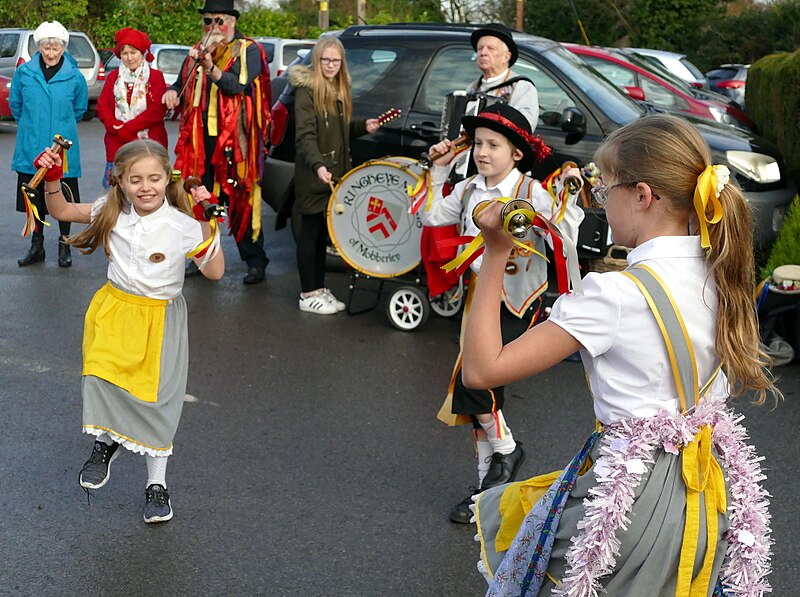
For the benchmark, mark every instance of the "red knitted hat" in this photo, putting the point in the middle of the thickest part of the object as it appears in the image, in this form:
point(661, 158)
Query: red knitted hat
point(135, 38)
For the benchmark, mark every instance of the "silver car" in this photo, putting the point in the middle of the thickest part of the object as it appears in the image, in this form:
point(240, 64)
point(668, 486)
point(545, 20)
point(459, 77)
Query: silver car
point(167, 58)
point(678, 64)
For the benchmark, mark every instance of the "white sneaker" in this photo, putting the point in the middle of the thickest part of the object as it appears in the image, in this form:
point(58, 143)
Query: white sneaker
point(317, 303)
point(340, 306)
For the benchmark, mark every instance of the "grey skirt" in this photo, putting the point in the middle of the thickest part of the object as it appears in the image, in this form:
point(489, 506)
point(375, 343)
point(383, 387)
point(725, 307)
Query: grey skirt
point(144, 427)
point(650, 548)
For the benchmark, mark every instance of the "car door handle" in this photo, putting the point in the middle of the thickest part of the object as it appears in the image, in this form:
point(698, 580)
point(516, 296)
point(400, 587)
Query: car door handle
point(427, 127)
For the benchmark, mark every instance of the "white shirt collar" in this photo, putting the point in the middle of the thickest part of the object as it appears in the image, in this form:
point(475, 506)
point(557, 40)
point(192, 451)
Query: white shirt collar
point(506, 187)
point(150, 219)
point(667, 246)
point(495, 79)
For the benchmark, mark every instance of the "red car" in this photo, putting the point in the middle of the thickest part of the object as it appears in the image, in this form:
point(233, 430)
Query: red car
point(642, 84)
point(5, 108)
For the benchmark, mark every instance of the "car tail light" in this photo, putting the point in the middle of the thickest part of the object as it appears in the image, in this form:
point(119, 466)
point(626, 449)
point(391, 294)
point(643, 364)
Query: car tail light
point(280, 116)
point(730, 84)
point(696, 84)
point(101, 73)
point(280, 72)
point(20, 61)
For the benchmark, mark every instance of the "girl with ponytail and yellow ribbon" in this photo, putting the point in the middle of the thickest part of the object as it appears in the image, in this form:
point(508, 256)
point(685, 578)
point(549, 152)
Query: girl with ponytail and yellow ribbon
point(504, 149)
point(665, 497)
point(135, 344)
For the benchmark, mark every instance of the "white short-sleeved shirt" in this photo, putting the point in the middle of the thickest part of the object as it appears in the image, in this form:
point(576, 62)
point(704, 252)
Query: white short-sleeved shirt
point(148, 254)
point(623, 351)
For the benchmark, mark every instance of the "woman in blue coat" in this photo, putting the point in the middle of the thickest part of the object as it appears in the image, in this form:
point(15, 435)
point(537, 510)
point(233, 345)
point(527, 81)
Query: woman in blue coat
point(48, 97)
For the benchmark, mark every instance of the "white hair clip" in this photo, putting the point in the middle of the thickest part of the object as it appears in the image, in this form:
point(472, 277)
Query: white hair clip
point(723, 176)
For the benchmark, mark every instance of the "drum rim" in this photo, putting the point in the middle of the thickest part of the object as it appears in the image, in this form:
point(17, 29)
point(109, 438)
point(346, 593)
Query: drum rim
point(329, 214)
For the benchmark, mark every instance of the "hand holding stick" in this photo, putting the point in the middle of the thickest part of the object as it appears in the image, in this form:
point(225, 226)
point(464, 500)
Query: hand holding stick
point(210, 210)
point(427, 159)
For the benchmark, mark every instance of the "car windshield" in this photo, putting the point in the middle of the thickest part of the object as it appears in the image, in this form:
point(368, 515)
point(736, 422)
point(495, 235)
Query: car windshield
point(659, 70)
point(614, 103)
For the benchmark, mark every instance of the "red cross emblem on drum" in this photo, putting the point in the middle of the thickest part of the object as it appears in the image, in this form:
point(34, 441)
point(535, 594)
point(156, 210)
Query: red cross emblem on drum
point(369, 220)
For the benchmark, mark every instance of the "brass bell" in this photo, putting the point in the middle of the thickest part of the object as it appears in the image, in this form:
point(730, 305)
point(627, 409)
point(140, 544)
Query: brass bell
point(519, 224)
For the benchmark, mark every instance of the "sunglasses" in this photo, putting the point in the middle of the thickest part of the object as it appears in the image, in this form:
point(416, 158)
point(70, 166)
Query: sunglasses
point(217, 20)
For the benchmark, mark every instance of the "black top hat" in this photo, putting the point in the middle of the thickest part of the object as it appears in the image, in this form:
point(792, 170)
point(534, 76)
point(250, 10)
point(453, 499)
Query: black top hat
point(499, 31)
point(222, 7)
point(512, 124)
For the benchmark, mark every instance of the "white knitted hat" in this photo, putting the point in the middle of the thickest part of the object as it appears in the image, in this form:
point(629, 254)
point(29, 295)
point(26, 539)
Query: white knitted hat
point(51, 30)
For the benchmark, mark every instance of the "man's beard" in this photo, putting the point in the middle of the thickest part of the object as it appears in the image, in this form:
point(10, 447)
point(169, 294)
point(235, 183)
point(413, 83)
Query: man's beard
point(216, 36)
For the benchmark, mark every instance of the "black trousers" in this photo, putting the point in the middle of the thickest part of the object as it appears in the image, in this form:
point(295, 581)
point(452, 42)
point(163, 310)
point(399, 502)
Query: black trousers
point(38, 201)
point(311, 251)
point(250, 251)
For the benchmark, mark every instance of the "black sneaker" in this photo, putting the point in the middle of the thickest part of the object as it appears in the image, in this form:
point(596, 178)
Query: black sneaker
point(157, 507)
point(97, 470)
point(461, 512)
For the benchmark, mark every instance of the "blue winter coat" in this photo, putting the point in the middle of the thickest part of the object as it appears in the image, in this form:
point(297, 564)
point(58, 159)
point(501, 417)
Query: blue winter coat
point(45, 109)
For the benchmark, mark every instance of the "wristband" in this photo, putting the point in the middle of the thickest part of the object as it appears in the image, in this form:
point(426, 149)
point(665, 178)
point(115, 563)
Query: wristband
point(53, 174)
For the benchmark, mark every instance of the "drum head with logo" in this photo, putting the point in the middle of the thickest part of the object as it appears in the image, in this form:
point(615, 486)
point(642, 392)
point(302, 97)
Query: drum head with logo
point(375, 234)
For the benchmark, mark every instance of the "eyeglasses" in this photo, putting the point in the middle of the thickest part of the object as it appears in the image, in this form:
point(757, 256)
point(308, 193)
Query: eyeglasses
point(217, 20)
point(601, 191)
point(331, 61)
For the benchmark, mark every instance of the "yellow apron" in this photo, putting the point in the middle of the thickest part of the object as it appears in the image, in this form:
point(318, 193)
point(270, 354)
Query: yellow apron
point(122, 338)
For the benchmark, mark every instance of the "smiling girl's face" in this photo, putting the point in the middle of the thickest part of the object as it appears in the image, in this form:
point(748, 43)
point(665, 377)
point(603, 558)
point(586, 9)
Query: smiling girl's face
point(145, 184)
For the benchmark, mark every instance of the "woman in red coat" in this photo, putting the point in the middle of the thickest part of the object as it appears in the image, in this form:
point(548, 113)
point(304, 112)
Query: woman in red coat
point(130, 104)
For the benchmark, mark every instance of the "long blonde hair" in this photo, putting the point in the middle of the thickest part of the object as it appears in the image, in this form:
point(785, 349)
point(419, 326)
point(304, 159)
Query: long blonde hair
point(669, 154)
point(98, 231)
point(326, 92)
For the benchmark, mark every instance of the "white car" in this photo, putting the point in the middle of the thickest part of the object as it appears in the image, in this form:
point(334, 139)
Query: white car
point(282, 52)
point(676, 63)
point(167, 58)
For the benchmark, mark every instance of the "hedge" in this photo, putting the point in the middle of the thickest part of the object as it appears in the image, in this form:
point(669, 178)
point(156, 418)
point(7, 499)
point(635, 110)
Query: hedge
point(773, 102)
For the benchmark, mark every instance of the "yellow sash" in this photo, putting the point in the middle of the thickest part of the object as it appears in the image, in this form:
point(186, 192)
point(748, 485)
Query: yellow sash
point(122, 338)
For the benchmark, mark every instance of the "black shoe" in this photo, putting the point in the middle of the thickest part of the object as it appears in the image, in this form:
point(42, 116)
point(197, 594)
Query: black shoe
point(191, 270)
point(254, 275)
point(461, 512)
point(504, 467)
point(64, 256)
point(97, 470)
point(35, 254)
point(157, 507)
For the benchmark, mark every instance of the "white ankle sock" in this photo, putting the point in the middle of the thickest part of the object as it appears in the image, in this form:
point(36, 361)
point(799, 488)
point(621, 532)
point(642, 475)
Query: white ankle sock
point(106, 439)
point(156, 470)
point(484, 449)
point(505, 444)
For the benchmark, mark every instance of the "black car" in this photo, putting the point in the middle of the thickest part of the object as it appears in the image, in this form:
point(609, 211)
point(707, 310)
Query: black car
point(414, 66)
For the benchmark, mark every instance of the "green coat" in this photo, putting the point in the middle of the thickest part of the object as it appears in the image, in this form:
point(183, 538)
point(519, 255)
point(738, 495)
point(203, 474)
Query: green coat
point(319, 140)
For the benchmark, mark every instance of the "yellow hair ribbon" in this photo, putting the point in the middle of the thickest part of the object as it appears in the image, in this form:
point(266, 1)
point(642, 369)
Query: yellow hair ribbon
point(705, 191)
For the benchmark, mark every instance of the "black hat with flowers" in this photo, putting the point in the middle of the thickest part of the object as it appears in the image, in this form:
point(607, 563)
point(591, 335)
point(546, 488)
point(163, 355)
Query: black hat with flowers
point(512, 124)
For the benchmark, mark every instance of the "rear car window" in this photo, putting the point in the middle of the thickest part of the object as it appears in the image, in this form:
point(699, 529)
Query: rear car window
point(8, 44)
point(170, 61)
point(692, 68)
point(367, 66)
point(452, 68)
point(722, 73)
point(290, 51)
point(269, 50)
point(78, 48)
point(619, 75)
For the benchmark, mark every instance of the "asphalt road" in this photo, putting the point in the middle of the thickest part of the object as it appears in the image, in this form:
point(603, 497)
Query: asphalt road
point(308, 461)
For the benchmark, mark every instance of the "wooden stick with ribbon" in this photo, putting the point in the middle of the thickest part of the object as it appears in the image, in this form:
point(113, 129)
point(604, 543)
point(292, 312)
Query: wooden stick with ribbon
point(338, 206)
point(211, 212)
point(28, 190)
point(423, 191)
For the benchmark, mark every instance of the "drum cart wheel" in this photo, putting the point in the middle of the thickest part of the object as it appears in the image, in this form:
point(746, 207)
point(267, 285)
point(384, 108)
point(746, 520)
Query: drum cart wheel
point(407, 308)
point(444, 305)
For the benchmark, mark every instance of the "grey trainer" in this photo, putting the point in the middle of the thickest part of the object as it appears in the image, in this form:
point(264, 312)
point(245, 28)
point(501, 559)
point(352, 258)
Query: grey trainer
point(157, 507)
point(97, 470)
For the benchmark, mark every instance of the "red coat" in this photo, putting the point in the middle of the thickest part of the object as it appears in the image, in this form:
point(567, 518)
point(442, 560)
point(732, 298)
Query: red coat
point(152, 118)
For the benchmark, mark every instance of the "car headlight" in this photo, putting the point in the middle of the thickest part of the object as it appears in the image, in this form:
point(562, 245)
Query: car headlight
point(755, 166)
point(719, 115)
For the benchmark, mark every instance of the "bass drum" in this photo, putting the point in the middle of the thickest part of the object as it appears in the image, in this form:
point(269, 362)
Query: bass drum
point(374, 233)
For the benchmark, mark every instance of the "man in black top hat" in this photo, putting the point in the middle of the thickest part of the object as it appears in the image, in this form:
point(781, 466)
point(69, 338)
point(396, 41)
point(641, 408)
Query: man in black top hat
point(224, 96)
point(497, 53)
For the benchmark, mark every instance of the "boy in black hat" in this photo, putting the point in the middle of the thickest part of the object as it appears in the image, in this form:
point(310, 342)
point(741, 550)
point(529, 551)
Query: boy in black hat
point(503, 149)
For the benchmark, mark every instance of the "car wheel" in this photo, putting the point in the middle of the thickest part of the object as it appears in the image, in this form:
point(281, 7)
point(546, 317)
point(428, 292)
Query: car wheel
point(407, 308)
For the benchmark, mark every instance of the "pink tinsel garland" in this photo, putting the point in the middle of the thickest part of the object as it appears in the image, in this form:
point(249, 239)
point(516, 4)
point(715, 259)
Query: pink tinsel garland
point(625, 452)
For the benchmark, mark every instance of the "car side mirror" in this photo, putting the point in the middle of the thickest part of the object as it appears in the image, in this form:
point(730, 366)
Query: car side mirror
point(573, 121)
point(634, 92)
